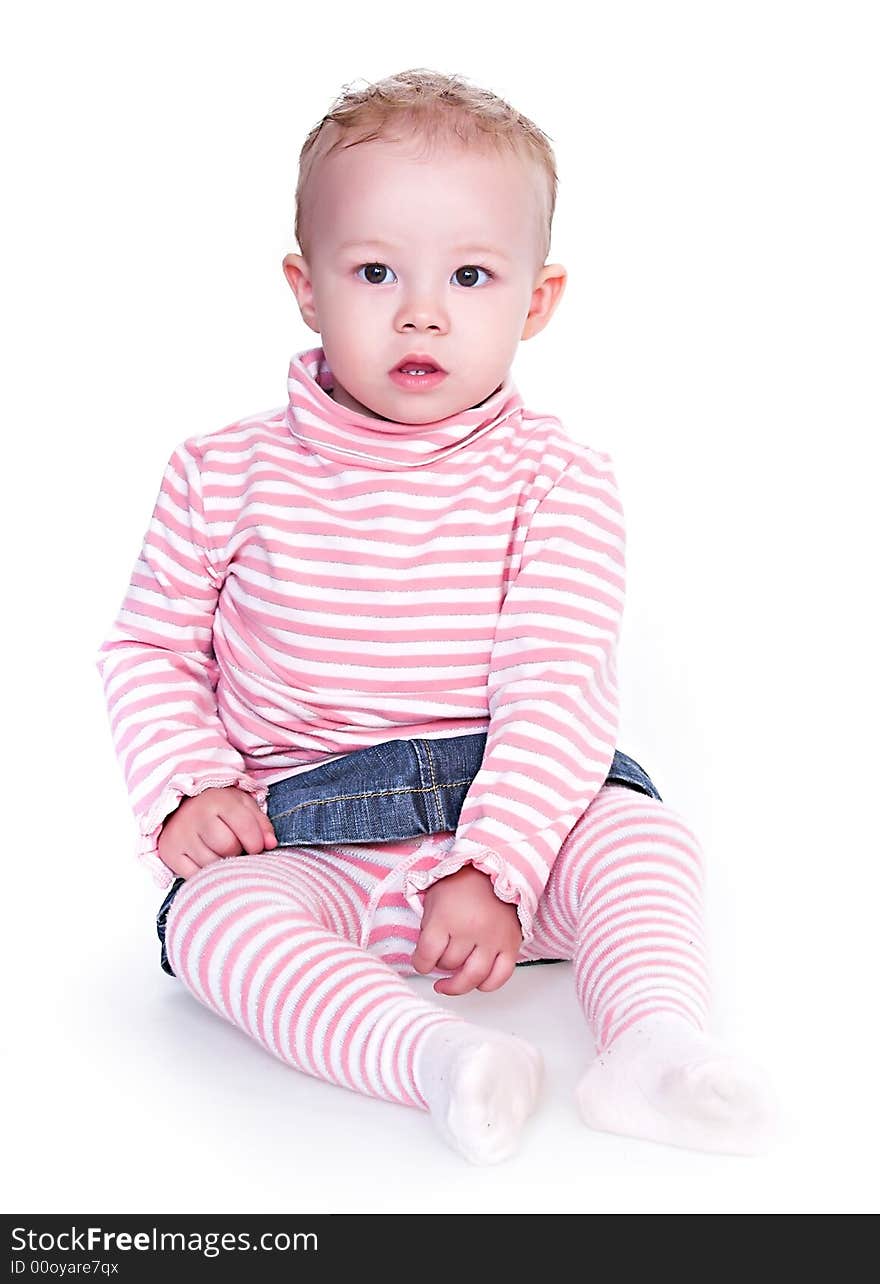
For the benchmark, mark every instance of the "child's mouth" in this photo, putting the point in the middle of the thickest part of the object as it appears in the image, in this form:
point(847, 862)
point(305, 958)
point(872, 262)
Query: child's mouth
point(425, 379)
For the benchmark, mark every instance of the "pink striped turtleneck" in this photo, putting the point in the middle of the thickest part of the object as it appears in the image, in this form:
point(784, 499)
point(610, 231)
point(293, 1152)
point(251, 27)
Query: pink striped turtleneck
point(315, 580)
point(353, 439)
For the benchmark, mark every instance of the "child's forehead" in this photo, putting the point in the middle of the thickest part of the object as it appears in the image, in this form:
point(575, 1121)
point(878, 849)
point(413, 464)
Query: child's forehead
point(382, 170)
point(460, 201)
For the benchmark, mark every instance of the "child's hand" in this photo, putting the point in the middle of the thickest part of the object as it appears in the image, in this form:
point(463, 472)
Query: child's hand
point(217, 822)
point(467, 930)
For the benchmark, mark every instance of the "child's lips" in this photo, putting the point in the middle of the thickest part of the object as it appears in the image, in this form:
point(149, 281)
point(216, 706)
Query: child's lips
point(417, 361)
point(417, 382)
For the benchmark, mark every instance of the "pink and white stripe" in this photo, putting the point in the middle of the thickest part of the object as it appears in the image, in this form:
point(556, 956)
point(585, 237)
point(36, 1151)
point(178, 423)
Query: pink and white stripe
point(307, 949)
point(314, 580)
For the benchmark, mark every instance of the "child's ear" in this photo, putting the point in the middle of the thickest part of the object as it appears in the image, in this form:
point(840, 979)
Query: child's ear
point(296, 270)
point(546, 294)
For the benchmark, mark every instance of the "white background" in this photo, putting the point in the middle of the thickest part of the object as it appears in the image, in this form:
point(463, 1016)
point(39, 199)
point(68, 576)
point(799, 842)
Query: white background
point(718, 214)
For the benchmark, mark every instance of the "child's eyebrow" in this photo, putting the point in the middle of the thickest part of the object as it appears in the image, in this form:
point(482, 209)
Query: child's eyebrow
point(456, 249)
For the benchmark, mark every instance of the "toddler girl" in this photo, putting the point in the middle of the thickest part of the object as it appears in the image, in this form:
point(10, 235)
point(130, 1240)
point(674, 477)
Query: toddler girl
point(402, 557)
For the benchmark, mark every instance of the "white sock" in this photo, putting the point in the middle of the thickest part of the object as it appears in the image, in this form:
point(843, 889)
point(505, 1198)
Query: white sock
point(666, 1081)
point(480, 1087)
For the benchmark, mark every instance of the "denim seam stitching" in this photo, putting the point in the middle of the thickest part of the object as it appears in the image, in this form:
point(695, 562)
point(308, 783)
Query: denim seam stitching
point(374, 793)
point(438, 801)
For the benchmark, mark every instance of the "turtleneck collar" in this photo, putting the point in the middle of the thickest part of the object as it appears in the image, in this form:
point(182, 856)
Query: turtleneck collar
point(346, 436)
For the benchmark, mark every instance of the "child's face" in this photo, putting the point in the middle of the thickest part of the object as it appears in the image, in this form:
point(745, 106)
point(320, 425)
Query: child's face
point(422, 222)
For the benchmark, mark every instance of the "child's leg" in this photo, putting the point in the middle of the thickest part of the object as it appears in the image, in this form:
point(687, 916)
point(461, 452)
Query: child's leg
point(271, 942)
point(626, 895)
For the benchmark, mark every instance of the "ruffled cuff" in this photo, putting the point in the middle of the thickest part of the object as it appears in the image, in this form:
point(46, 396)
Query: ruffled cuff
point(466, 852)
point(147, 848)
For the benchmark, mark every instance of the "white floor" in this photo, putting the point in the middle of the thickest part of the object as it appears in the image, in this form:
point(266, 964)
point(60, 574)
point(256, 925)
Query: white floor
point(127, 1095)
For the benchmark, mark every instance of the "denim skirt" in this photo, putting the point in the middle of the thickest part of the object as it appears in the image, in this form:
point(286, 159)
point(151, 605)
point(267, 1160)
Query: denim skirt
point(389, 791)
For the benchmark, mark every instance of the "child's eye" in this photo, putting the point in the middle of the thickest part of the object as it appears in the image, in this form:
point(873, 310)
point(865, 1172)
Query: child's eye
point(371, 267)
point(469, 268)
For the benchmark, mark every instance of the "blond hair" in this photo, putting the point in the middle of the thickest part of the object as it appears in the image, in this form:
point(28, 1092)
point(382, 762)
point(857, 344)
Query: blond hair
point(442, 110)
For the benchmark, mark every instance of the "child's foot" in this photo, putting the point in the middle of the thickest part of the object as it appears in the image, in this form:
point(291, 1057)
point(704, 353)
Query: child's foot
point(664, 1080)
point(480, 1087)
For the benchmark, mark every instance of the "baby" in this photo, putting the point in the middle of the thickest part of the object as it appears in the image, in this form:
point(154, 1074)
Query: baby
point(402, 555)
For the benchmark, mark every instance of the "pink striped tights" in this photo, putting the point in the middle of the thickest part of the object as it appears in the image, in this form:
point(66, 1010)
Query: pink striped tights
point(307, 951)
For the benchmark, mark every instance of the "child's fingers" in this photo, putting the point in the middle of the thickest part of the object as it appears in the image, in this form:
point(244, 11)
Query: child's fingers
point(457, 952)
point(429, 947)
point(500, 972)
point(199, 852)
point(270, 839)
point(249, 828)
point(218, 835)
point(469, 975)
point(179, 864)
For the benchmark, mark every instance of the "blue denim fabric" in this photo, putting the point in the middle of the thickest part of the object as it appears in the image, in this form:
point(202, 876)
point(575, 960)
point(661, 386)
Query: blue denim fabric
point(397, 789)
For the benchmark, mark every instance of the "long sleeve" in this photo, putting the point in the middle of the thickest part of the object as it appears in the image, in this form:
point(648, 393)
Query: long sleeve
point(158, 667)
point(552, 692)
